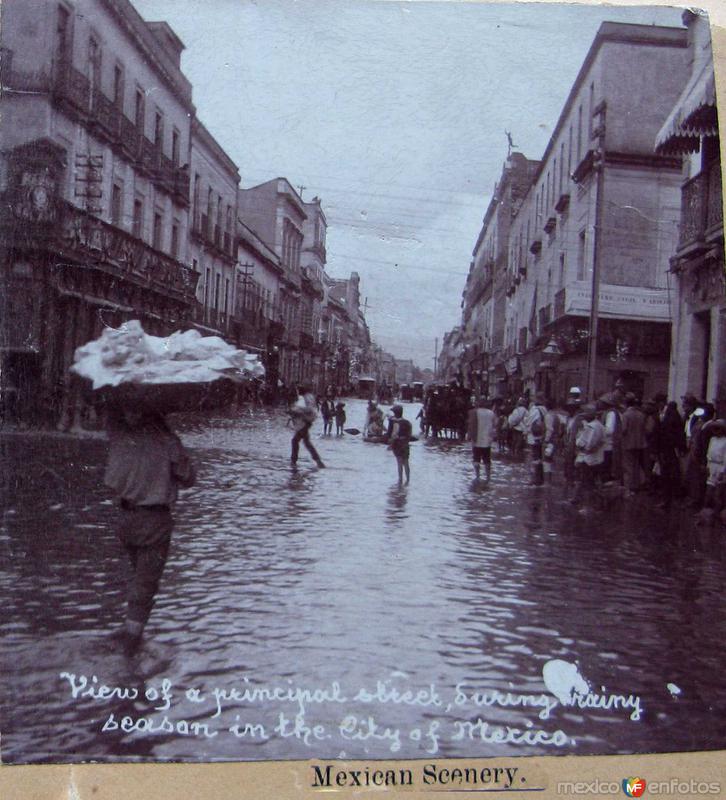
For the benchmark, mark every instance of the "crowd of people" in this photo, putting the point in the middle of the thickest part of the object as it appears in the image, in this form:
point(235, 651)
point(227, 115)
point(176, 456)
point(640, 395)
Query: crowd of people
point(617, 444)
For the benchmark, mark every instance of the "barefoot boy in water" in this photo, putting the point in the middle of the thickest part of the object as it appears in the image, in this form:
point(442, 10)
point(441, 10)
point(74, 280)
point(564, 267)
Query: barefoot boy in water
point(399, 436)
point(146, 465)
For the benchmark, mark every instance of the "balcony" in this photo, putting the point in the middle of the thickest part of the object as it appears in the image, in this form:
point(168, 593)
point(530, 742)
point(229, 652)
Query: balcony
point(562, 204)
point(535, 247)
point(211, 235)
point(714, 205)
point(105, 116)
point(701, 211)
point(79, 237)
point(72, 91)
point(71, 88)
point(550, 225)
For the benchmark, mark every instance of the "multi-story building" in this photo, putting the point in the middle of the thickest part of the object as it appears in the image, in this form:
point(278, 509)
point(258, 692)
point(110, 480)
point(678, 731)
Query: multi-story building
point(275, 211)
point(449, 360)
point(258, 316)
point(95, 185)
point(599, 221)
point(698, 353)
point(312, 260)
point(485, 294)
point(213, 240)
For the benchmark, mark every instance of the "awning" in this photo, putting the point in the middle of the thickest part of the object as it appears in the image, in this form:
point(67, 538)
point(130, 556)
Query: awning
point(251, 347)
point(693, 116)
point(95, 301)
point(206, 328)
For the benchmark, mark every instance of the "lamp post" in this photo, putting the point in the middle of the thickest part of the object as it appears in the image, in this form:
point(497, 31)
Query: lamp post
point(552, 353)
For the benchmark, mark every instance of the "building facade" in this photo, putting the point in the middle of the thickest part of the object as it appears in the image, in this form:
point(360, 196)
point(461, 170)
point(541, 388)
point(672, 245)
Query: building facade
point(213, 239)
point(599, 221)
point(275, 211)
point(312, 260)
point(484, 366)
point(698, 353)
point(95, 183)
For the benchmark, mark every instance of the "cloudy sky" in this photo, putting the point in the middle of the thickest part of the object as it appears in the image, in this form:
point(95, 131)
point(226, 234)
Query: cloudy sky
point(395, 115)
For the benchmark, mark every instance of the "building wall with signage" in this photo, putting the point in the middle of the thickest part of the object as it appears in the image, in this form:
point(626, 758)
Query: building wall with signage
point(600, 193)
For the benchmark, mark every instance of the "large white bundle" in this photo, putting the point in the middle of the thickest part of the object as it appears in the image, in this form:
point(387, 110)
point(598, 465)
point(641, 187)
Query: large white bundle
point(129, 355)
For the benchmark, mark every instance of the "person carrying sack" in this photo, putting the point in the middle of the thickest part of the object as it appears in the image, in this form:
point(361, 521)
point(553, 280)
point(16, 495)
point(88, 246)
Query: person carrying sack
point(303, 413)
point(535, 427)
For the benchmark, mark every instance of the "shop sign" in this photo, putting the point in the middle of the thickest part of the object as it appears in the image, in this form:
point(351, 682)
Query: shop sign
point(619, 302)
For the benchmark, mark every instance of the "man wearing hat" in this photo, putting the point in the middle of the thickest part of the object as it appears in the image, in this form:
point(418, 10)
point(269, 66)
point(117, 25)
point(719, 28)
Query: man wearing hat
point(517, 427)
point(590, 446)
point(691, 407)
point(612, 463)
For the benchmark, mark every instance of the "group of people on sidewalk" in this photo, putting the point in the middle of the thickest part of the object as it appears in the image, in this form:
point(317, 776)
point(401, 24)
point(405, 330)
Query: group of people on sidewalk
point(619, 442)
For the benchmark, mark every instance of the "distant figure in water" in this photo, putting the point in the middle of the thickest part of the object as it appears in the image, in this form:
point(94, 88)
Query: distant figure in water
point(303, 413)
point(399, 436)
point(146, 465)
point(339, 418)
point(482, 425)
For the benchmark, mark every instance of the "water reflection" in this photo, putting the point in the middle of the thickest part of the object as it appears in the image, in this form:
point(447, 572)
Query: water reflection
point(340, 574)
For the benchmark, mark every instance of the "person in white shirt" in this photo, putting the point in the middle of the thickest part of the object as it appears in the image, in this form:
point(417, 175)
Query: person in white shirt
point(716, 464)
point(590, 448)
point(535, 427)
point(515, 421)
point(482, 430)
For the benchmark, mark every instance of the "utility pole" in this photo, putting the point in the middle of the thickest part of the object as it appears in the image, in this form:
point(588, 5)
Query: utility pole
point(436, 356)
point(301, 189)
point(599, 167)
point(246, 270)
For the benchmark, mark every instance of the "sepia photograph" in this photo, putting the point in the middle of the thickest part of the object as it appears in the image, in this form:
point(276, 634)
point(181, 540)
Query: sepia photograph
point(362, 386)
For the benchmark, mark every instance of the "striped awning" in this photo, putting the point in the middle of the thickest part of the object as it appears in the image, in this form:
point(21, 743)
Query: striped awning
point(693, 116)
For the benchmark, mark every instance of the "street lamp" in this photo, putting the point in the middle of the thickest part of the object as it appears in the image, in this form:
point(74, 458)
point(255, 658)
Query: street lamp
point(552, 353)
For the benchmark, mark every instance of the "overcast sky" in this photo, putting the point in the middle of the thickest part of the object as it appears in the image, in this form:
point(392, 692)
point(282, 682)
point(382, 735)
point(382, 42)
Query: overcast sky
point(394, 114)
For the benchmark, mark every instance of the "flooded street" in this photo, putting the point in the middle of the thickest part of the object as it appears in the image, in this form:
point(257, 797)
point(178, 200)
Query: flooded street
point(315, 578)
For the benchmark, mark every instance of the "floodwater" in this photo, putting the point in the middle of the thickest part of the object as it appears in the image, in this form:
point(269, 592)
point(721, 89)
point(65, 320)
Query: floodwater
point(341, 581)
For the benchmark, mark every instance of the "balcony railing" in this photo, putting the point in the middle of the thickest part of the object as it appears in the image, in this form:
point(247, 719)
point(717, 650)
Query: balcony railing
point(693, 210)
point(72, 87)
point(210, 234)
point(78, 236)
point(714, 213)
point(701, 208)
point(73, 92)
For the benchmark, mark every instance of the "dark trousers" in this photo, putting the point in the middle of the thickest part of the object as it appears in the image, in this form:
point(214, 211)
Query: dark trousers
point(145, 535)
point(670, 473)
point(303, 435)
point(537, 466)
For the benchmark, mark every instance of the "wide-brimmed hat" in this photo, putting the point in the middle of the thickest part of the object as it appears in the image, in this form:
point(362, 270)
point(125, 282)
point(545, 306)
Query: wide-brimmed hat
point(608, 400)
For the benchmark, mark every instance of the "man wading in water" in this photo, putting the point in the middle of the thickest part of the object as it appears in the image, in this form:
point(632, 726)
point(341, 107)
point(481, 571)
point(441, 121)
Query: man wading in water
point(303, 414)
point(146, 465)
point(399, 435)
